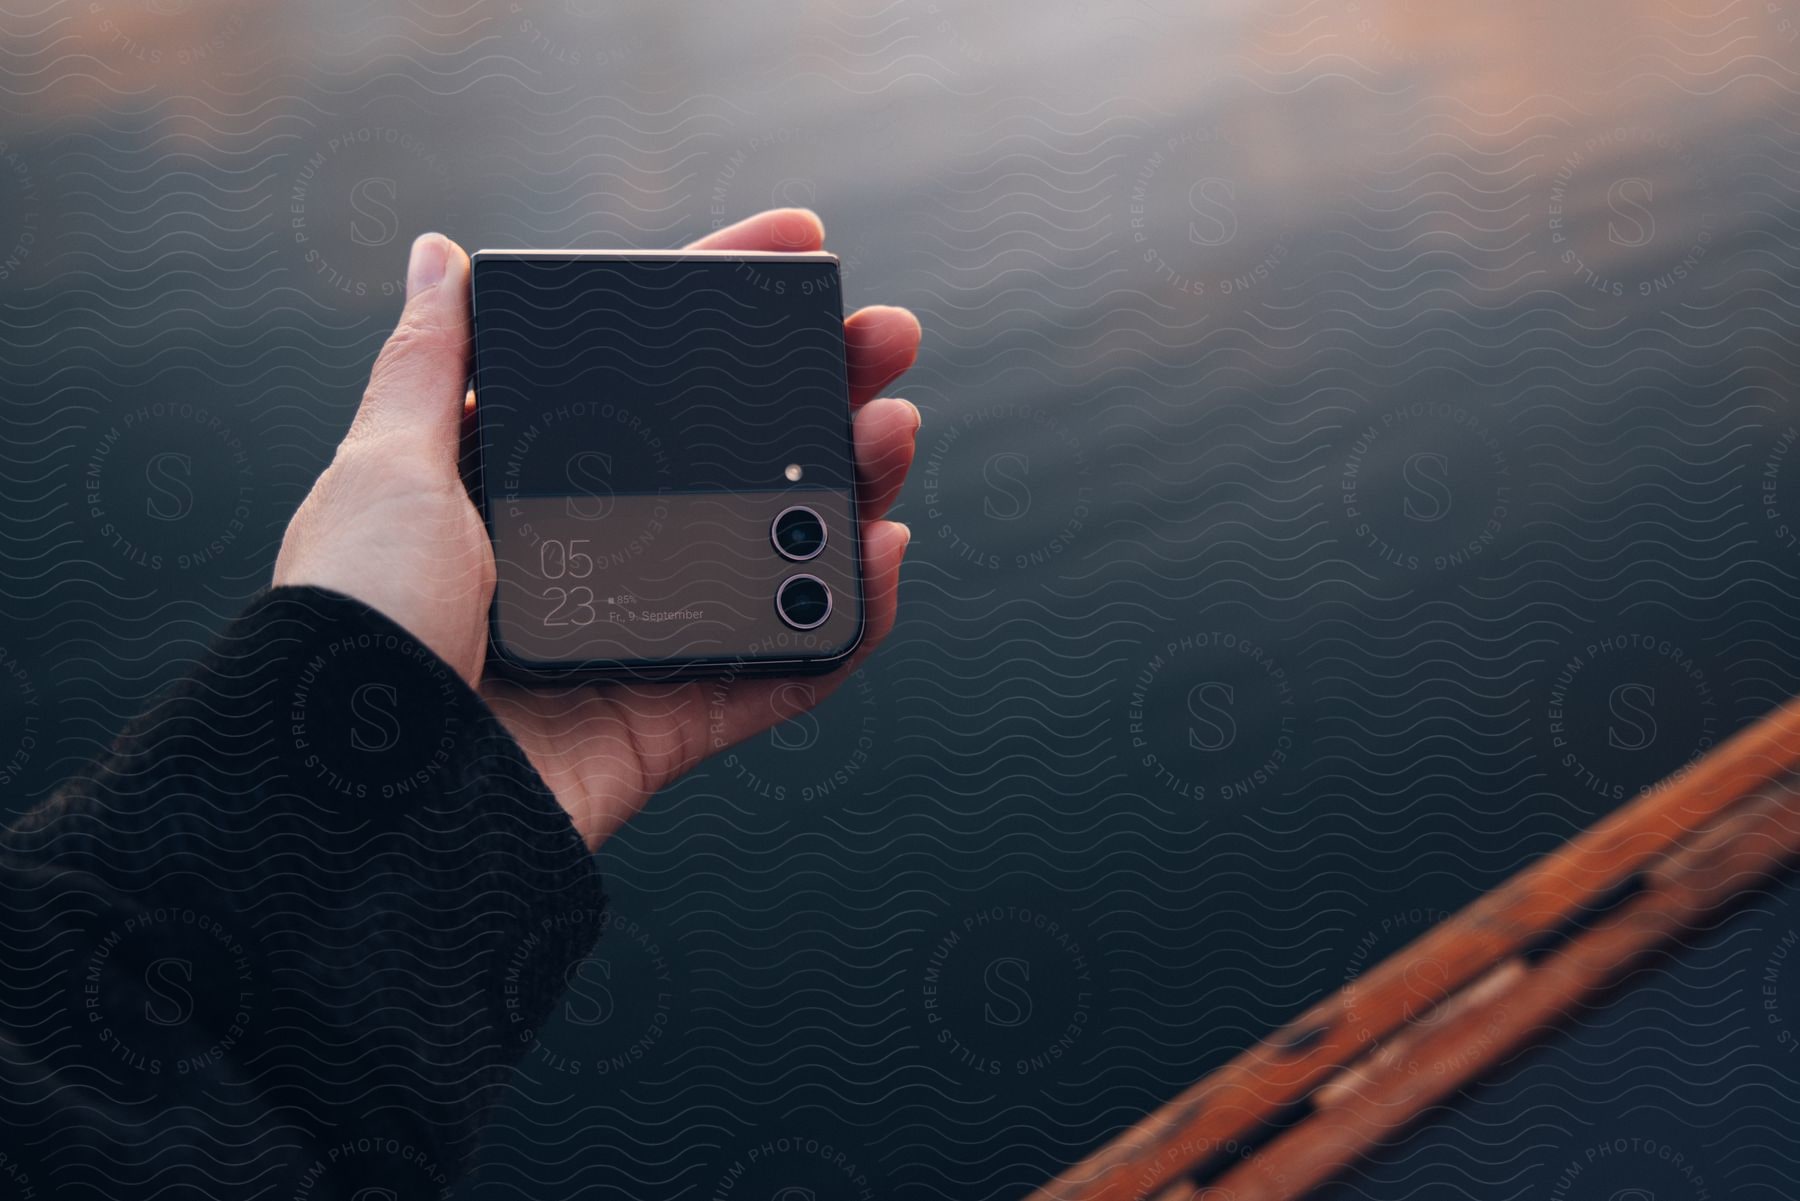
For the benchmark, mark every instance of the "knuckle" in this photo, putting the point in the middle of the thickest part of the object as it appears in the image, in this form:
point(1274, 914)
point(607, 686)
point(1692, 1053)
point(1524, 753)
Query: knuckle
point(415, 338)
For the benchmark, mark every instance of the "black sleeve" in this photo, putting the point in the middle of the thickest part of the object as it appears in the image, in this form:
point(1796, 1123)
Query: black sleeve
point(286, 940)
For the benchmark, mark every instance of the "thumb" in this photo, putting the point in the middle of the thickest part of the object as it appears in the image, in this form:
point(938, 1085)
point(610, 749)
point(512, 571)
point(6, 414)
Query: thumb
point(421, 376)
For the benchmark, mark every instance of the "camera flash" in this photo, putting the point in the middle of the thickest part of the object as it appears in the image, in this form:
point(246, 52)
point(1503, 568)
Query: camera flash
point(793, 473)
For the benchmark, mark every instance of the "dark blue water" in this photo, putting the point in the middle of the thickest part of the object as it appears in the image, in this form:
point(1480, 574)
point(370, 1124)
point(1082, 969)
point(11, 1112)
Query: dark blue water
point(1360, 450)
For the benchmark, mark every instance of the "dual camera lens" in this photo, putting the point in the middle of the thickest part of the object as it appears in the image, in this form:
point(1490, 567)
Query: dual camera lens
point(803, 601)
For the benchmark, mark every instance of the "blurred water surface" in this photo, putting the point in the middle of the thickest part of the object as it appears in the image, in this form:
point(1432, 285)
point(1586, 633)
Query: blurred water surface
point(1359, 451)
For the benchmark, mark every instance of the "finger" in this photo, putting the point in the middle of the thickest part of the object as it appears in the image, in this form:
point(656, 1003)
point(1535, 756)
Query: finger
point(792, 230)
point(886, 432)
point(466, 418)
point(466, 441)
point(416, 389)
point(884, 549)
point(756, 704)
point(880, 342)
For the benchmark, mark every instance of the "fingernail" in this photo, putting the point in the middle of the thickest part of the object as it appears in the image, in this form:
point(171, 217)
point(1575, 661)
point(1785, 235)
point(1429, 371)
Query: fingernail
point(430, 256)
point(905, 529)
point(918, 417)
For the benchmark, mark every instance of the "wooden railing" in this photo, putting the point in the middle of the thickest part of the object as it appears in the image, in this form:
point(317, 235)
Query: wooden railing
point(1292, 1112)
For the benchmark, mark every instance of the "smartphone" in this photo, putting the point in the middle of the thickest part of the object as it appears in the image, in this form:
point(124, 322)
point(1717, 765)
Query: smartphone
point(663, 458)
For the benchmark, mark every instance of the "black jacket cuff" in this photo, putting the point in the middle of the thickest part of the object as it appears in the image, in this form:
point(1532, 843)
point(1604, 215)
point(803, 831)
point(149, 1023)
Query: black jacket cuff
point(378, 898)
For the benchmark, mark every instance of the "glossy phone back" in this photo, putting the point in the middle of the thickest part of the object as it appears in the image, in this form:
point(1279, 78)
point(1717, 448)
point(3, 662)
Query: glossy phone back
point(643, 420)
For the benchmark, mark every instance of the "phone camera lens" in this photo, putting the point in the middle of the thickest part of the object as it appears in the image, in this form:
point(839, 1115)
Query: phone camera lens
point(803, 601)
point(798, 533)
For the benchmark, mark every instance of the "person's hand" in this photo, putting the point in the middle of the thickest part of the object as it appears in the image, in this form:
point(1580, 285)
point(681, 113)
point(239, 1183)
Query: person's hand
point(390, 523)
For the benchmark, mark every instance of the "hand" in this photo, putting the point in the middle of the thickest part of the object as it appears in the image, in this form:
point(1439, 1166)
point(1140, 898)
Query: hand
point(390, 523)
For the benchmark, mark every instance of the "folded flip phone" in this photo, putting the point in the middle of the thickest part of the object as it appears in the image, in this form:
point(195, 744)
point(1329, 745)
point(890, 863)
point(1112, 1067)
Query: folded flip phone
point(664, 461)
